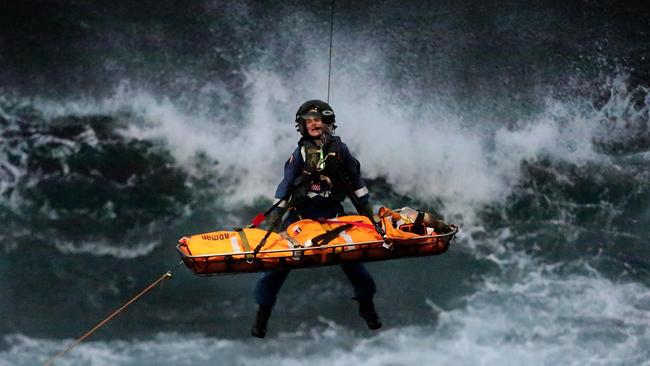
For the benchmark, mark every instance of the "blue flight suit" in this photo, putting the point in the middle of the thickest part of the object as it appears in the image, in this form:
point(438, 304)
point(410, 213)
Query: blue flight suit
point(319, 203)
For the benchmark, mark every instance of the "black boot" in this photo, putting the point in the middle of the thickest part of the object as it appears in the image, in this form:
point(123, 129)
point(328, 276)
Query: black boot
point(368, 313)
point(261, 319)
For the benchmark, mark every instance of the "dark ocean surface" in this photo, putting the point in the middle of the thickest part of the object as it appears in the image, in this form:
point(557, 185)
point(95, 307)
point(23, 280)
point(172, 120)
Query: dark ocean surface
point(125, 126)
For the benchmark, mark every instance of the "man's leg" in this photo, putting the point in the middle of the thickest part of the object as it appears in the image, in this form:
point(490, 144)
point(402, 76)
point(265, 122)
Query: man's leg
point(364, 290)
point(268, 286)
point(266, 294)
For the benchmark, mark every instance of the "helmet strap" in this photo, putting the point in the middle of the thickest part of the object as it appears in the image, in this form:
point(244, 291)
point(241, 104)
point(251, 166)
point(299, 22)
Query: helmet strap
point(326, 134)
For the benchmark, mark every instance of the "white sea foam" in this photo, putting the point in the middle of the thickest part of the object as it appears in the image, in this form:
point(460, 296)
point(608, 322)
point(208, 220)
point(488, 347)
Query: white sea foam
point(104, 247)
point(430, 153)
point(464, 165)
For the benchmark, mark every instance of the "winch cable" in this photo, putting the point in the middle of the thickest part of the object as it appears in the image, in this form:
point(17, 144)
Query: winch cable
point(165, 276)
point(329, 70)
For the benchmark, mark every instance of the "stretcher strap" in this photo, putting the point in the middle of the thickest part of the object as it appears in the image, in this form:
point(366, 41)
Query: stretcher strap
point(293, 243)
point(352, 223)
point(419, 218)
point(244, 241)
point(328, 236)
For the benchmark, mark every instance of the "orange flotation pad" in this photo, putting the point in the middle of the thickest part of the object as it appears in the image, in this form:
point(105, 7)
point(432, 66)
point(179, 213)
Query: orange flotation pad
point(309, 243)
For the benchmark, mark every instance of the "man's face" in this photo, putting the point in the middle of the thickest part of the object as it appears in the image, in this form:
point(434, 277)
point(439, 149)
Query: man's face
point(314, 126)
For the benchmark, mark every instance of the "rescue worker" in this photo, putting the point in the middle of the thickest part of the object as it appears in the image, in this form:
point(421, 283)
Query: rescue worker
point(313, 188)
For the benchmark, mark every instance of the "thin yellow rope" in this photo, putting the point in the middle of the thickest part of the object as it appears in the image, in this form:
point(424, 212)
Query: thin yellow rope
point(103, 322)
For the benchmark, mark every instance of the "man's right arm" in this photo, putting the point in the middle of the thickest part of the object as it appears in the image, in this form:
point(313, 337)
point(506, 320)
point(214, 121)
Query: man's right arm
point(292, 169)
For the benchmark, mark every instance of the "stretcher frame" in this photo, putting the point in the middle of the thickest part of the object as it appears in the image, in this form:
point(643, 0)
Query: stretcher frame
point(219, 264)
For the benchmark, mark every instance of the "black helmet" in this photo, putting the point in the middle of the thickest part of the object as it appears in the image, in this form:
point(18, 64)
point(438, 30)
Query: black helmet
point(315, 108)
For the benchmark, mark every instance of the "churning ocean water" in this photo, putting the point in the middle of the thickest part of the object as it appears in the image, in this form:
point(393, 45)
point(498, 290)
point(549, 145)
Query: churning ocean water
point(125, 126)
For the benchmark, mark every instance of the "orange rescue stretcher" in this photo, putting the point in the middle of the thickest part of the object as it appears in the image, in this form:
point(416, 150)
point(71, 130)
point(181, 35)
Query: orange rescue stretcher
point(311, 243)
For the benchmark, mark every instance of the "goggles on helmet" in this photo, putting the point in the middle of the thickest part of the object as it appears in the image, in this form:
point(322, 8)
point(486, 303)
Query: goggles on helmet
point(314, 113)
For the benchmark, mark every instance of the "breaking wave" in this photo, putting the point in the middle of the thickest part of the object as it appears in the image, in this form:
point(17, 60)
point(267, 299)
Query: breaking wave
point(544, 166)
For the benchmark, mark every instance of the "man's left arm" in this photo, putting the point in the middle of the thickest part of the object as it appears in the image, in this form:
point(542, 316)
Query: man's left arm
point(358, 185)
